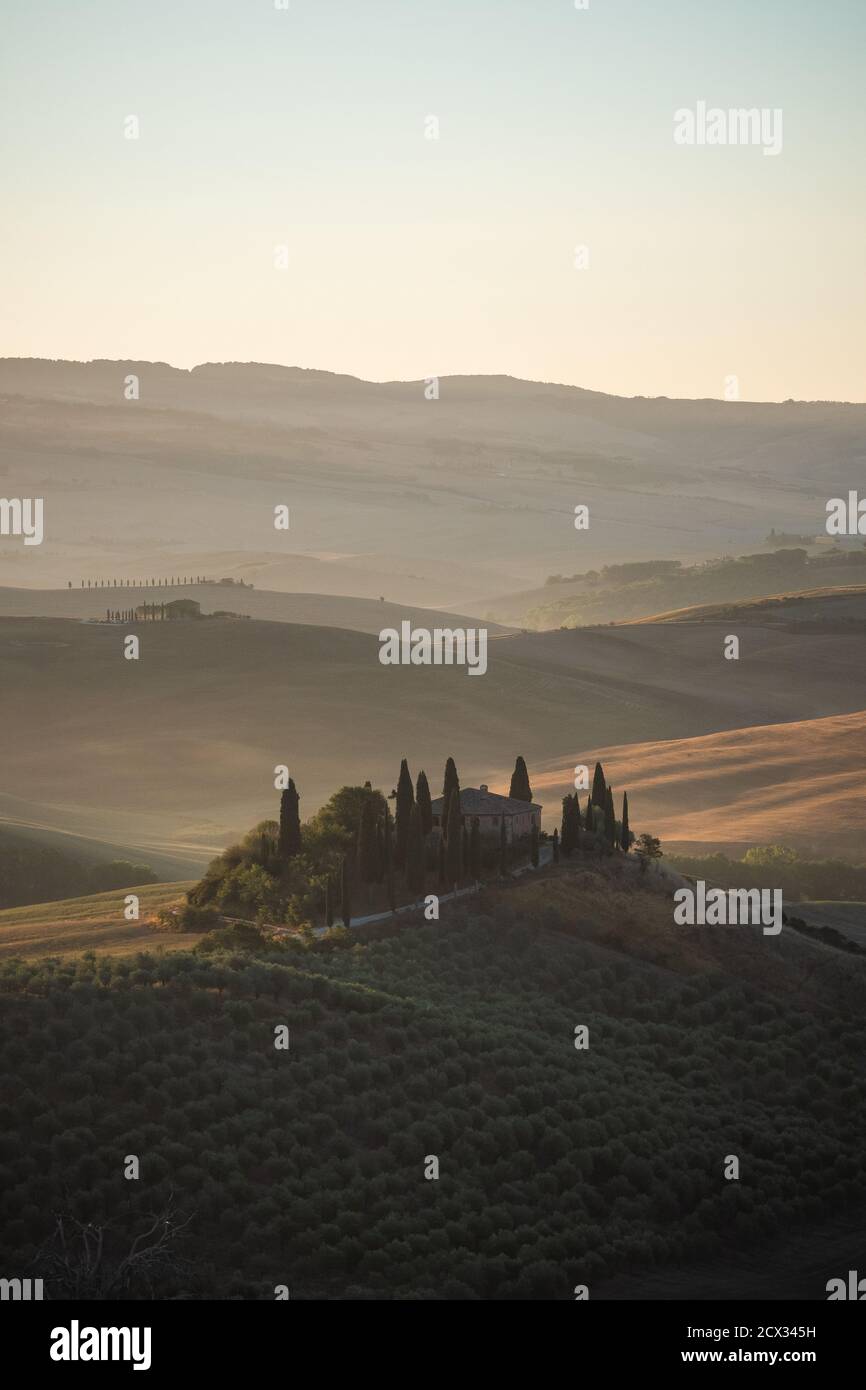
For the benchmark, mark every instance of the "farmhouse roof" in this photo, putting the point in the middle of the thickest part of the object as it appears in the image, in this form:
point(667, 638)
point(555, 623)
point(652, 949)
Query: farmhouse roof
point(478, 801)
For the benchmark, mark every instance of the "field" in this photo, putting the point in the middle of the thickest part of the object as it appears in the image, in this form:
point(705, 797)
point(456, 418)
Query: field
point(93, 923)
point(174, 755)
point(801, 784)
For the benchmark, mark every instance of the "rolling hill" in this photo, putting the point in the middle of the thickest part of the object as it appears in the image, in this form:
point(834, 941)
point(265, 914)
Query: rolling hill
point(556, 1166)
point(429, 502)
point(801, 784)
point(92, 923)
point(174, 754)
point(311, 610)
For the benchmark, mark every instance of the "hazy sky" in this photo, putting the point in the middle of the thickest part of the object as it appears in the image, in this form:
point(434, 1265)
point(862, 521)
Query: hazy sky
point(410, 257)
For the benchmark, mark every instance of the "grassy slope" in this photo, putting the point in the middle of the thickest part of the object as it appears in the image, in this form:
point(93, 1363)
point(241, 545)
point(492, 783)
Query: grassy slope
point(843, 601)
point(94, 923)
point(801, 783)
point(176, 751)
point(457, 1039)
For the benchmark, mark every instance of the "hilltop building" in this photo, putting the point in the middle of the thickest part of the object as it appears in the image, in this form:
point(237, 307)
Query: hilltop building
point(491, 810)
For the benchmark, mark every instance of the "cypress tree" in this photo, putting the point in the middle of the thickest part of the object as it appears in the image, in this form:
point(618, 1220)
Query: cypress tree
point(533, 844)
point(389, 862)
point(453, 842)
point(415, 855)
point(403, 812)
point(289, 843)
point(599, 786)
point(520, 789)
point(475, 849)
point(556, 846)
point(345, 893)
point(625, 834)
point(380, 850)
point(425, 805)
point(442, 877)
point(609, 818)
point(503, 856)
point(589, 819)
point(450, 784)
point(329, 911)
point(567, 836)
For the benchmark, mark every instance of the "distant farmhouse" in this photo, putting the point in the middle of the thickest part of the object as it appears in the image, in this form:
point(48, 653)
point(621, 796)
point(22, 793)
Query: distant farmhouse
point(491, 810)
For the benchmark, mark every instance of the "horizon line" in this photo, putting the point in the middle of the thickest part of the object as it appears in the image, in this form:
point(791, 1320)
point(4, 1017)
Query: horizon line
point(413, 381)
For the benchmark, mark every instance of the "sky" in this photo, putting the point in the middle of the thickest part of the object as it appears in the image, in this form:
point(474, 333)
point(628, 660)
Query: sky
point(709, 270)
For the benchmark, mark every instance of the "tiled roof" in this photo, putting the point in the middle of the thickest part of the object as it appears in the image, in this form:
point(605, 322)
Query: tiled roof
point(474, 802)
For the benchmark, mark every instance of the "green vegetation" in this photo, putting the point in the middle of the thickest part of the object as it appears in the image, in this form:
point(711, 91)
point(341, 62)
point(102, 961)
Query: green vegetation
point(305, 1166)
point(287, 873)
point(34, 873)
point(635, 590)
point(520, 789)
point(775, 866)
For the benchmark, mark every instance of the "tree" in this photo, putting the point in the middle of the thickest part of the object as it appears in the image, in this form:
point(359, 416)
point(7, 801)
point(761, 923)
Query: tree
point(290, 824)
point(648, 849)
point(567, 837)
point(609, 818)
point(82, 1260)
point(415, 855)
point(520, 789)
point(329, 911)
point(556, 846)
point(589, 819)
point(442, 872)
point(533, 844)
point(475, 849)
point(425, 805)
point(599, 786)
point(453, 841)
point(450, 784)
point(625, 833)
point(345, 892)
point(367, 849)
point(389, 861)
point(405, 800)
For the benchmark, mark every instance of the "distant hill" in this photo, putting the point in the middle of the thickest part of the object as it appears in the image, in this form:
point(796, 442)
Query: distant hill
point(801, 784)
point(430, 502)
point(317, 610)
point(841, 609)
point(174, 755)
point(645, 591)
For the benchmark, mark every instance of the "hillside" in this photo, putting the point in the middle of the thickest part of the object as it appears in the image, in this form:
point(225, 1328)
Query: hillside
point(801, 784)
point(430, 502)
point(823, 609)
point(452, 1040)
point(660, 589)
point(93, 923)
point(310, 610)
point(174, 754)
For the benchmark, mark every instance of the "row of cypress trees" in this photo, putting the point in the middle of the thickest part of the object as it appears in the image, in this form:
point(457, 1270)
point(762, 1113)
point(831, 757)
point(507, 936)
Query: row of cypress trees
point(599, 819)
